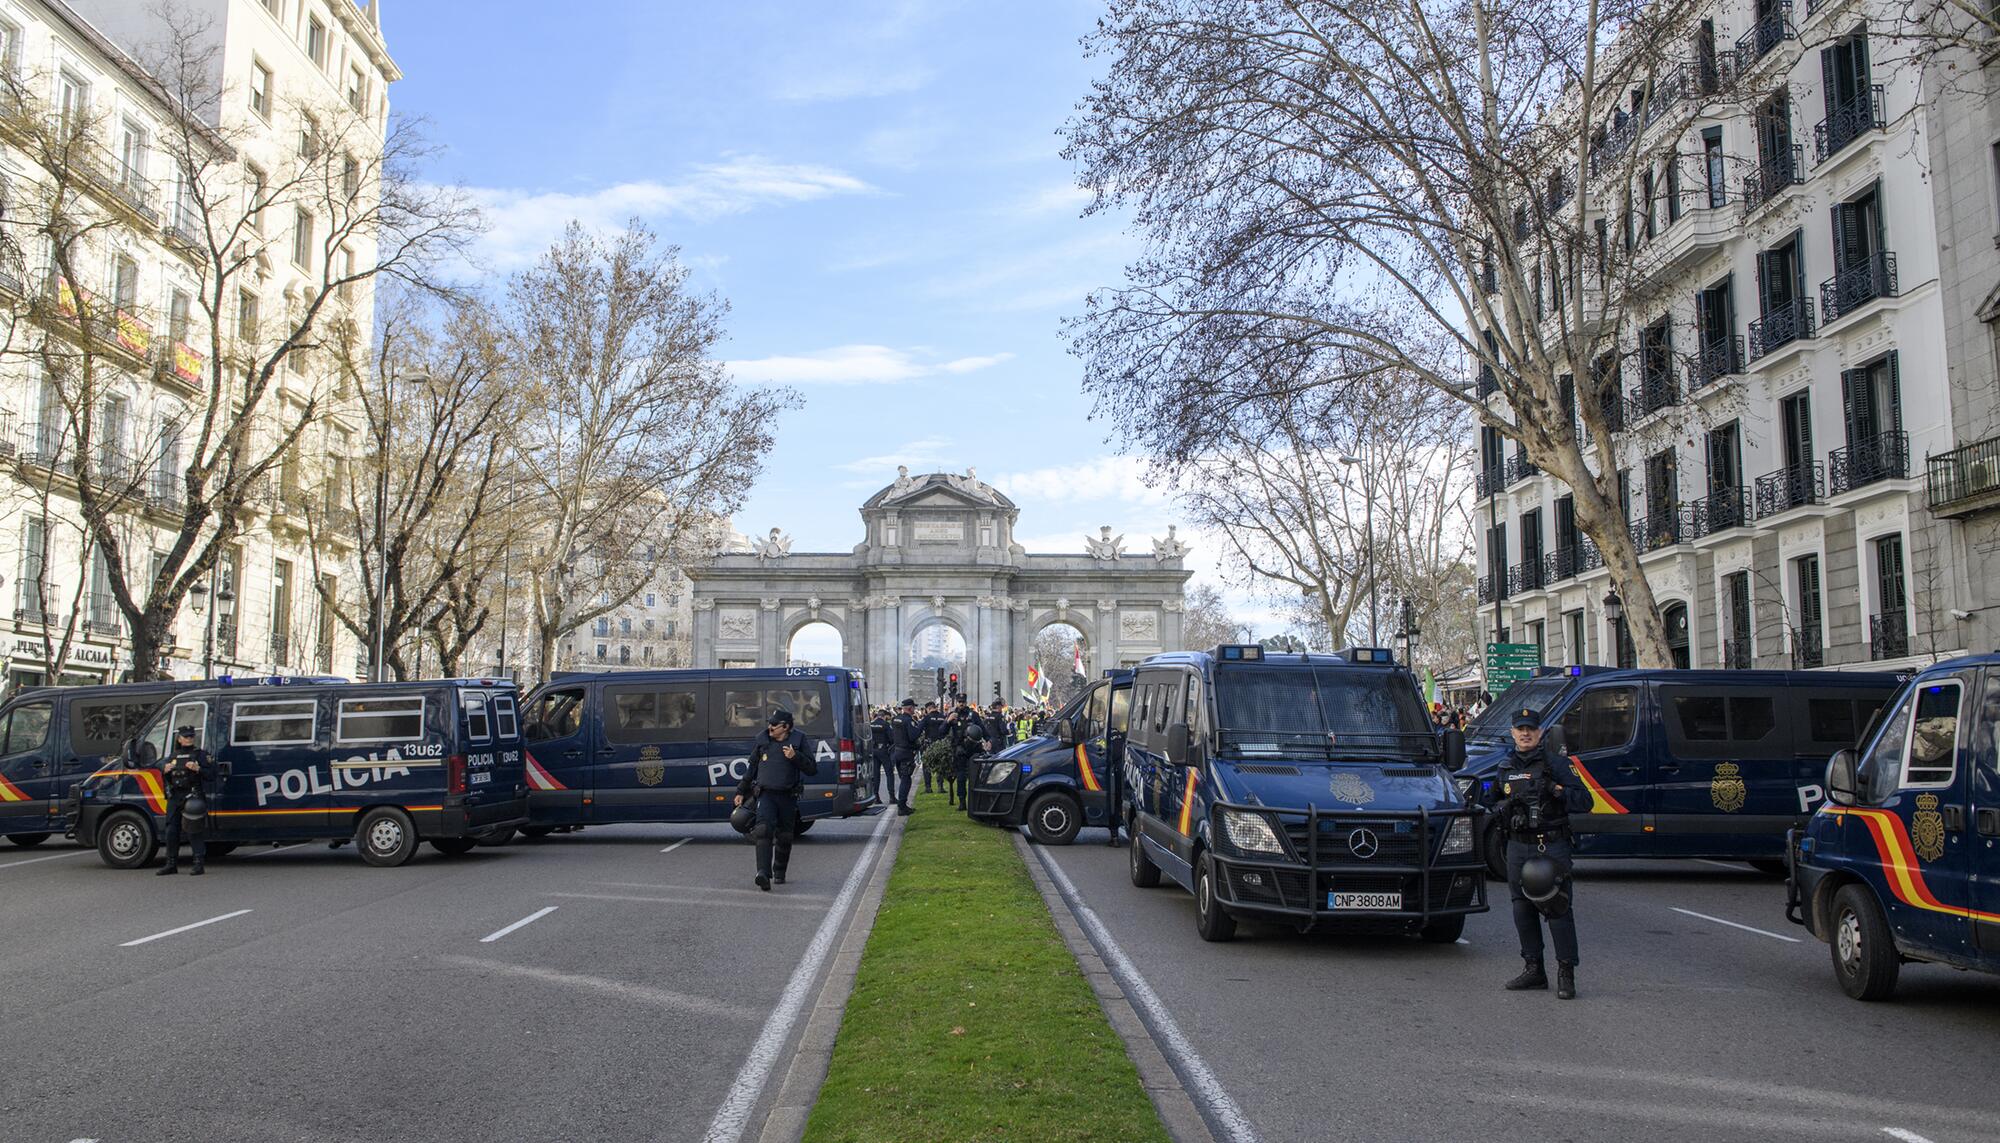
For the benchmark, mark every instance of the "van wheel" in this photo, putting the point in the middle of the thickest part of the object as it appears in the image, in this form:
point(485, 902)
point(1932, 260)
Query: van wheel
point(1209, 920)
point(1769, 866)
point(1496, 852)
point(1145, 874)
point(496, 838)
point(536, 833)
point(1864, 955)
point(1053, 820)
point(126, 841)
point(454, 846)
point(386, 837)
point(28, 840)
point(1443, 931)
point(801, 825)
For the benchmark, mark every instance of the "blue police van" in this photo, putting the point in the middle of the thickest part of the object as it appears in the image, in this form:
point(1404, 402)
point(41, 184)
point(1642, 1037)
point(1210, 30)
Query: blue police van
point(1301, 789)
point(670, 745)
point(1903, 860)
point(1707, 763)
point(1056, 783)
point(52, 737)
point(388, 765)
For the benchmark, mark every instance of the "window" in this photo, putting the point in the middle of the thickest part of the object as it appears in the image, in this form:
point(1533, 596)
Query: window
point(1166, 703)
point(1601, 720)
point(193, 714)
point(274, 723)
point(1715, 169)
point(624, 625)
point(302, 240)
point(10, 48)
point(281, 603)
point(101, 726)
point(553, 714)
point(316, 41)
point(260, 89)
point(259, 191)
point(657, 712)
point(125, 284)
point(309, 138)
point(397, 719)
point(478, 723)
point(72, 103)
point(1933, 753)
point(246, 315)
point(132, 147)
point(738, 711)
point(505, 721)
point(357, 91)
point(1721, 724)
point(1725, 470)
point(603, 653)
point(34, 558)
point(179, 308)
point(1836, 723)
point(603, 627)
point(26, 728)
point(650, 598)
point(350, 177)
point(1573, 625)
point(624, 653)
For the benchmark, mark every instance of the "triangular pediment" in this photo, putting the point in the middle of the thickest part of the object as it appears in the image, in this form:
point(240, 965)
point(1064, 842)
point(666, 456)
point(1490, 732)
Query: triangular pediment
point(938, 499)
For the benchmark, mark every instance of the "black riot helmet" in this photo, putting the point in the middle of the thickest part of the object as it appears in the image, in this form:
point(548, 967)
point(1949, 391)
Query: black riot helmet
point(1542, 884)
point(742, 818)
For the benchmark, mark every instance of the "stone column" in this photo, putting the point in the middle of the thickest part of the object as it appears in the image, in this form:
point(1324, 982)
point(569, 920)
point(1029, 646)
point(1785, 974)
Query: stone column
point(770, 634)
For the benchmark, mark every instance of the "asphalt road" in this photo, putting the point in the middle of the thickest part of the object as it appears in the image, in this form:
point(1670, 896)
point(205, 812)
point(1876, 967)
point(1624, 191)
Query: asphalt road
point(330, 1001)
point(1686, 1028)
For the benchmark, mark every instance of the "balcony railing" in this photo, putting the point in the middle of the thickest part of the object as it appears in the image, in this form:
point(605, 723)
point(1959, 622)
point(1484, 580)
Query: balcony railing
point(1884, 456)
point(1488, 481)
point(1872, 277)
point(281, 649)
point(1964, 479)
point(1614, 411)
point(1782, 168)
point(1655, 393)
point(1657, 530)
point(1736, 654)
point(100, 614)
point(1619, 136)
point(1767, 33)
point(1489, 587)
point(163, 491)
point(1722, 357)
point(1720, 510)
point(1520, 468)
point(1489, 383)
point(1525, 576)
point(1789, 488)
point(1849, 121)
point(225, 637)
point(1571, 560)
point(1889, 635)
point(1808, 648)
point(1790, 322)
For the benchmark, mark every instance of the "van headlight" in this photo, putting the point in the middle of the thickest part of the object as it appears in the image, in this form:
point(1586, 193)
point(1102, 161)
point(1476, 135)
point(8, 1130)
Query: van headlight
point(1457, 838)
point(1250, 833)
point(998, 773)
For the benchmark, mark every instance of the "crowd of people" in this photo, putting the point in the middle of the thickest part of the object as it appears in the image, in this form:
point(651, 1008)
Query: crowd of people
point(1457, 716)
point(899, 738)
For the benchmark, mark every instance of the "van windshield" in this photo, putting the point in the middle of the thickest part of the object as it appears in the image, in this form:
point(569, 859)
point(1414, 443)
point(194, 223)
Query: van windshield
point(1319, 711)
point(1540, 694)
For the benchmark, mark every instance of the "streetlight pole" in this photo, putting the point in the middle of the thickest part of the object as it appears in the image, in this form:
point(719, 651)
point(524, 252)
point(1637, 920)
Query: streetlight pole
point(376, 670)
point(1368, 516)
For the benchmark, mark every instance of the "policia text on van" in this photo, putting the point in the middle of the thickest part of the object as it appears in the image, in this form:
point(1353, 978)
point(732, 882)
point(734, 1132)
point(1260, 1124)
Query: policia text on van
point(1300, 789)
point(388, 765)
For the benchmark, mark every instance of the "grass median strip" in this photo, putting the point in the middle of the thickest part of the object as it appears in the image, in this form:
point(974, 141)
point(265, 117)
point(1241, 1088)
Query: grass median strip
point(969, 1019)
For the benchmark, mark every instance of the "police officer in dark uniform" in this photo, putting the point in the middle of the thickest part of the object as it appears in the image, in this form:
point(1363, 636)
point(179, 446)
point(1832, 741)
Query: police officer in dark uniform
point(931, 728)
point(1534, 803)
point(878, 752)
point(968, 737)
point(186, 773)
point(776, 778)
point(904, 737)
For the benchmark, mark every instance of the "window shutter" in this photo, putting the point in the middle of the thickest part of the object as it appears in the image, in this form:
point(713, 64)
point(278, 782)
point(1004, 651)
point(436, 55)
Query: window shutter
point(1893, 422)
point(1829, 70)
point(1861, 65)
point(1855, 404)
point(1841, 215)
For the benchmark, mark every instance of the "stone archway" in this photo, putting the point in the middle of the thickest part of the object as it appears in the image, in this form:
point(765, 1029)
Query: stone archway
point(940, 548)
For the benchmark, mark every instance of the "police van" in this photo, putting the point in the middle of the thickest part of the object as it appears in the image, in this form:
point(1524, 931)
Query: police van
point(1707, 763)
point(1903, 860)
point(1054, 784)
point(388, 765)
point(1301, 789)
point(51, 737)
point(670, 745)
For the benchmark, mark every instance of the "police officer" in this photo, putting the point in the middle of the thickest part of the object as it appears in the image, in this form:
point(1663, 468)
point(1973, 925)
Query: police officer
point(186, 771)
point(931, 728)
point(1534, 804)
point(779, 762)
point(904, 736)
point(968, 737)
point(878, 751)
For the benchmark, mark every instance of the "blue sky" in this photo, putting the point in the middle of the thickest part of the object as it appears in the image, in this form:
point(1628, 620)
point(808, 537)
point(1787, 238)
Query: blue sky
point(877, 189)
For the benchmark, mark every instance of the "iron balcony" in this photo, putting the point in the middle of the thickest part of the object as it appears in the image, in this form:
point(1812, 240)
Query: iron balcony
point(1964, 480)
point(1884, 456)
point(1793, 486)
point(1789, 322)
point(1857, 285)
point(1848, 122)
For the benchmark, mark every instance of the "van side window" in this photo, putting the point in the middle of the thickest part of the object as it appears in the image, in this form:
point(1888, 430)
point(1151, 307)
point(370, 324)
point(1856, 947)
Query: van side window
point(554, 714)
point(478, 724)
point(655, 712)
point(1121, 710)
point(1723, 724)
point(1166, 703)
point(505, 720)
point(193, 714)
point(101, 726)
point(27, 727)
point(274, 723)
point(1601, 720)
point(1831, 721)
point(1985, 739)
point(744, 711)
point(1933, 755)
point(398, 719)
point(1099, 713)
point(1883, 767)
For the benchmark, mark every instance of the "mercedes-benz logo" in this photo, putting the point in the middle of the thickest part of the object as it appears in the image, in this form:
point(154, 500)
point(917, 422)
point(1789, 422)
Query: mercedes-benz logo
point(1363, 843)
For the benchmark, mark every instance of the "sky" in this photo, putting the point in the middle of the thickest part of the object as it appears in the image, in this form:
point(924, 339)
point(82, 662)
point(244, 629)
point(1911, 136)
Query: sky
point(876, 188)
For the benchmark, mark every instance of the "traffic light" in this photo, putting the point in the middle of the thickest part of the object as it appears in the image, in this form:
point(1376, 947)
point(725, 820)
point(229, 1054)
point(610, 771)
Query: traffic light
point(953, 692)
point(940, 682)
point(997, 697)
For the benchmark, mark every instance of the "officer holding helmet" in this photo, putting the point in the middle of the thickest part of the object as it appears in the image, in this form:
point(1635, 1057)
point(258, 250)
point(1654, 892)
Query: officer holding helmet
point(1534, 803)
point(185, 772)
point(779, 762)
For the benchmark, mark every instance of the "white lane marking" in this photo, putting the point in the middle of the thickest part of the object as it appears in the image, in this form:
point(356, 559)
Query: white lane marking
point(762, 901)
point(1734, 925)
point(50, 857)
point(1906, 1135)
point(183, 929)
point(618, 989)
point(677, 845)
point(1729, 865)
point(530, 919)
point(734, 1115)
point(1208, 1089)
point(273, 849)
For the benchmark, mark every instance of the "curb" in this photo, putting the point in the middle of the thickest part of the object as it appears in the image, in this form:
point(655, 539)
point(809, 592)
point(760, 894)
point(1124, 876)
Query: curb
point(1176, 1107)
point(786, 1121)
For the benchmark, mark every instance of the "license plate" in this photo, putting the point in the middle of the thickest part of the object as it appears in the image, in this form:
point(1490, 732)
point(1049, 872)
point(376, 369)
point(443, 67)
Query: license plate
point(1364, 901)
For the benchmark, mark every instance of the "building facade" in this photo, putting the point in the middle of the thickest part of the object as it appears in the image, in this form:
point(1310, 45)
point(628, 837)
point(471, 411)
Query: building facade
point(1788, 376)
point(273, 64)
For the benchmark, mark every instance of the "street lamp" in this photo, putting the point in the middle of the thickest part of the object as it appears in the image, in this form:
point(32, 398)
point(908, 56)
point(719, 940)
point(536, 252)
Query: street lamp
point(1368, 513)
point(224, 601)
point(1407, 630)
point(1614, 614)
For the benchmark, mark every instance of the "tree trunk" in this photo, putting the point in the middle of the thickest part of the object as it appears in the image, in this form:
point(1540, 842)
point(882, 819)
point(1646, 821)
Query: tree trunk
point(1598, 519)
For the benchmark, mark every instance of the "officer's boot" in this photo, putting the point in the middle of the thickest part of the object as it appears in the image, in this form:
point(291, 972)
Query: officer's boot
point(1565, 980)
point(166, 869)
point(1532, 976)
point(196, 871)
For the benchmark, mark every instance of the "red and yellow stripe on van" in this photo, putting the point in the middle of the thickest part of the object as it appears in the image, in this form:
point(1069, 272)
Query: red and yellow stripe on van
point(1601, 801)
point(1084, 771)
point(1187, 800)
point(1899, 863)
point(9, 792)
point(539, 778)
point(149, 785)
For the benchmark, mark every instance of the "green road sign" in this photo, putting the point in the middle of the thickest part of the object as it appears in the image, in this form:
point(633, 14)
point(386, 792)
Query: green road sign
point(1509, 663)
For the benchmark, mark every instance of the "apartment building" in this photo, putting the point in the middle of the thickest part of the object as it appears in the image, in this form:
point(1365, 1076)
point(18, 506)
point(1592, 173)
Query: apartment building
point(274, 62)
point(1787, 376)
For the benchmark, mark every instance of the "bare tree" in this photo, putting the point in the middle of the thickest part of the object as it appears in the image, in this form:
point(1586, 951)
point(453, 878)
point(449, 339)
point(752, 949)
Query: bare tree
point(1338, 190)
point(1054, 654)
point(631, 439)
point(1206, 621)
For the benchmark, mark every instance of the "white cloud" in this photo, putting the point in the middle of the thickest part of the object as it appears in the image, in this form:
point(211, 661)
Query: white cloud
point(856, 365)
point(1051, 276)
point(1062, 198)
point(1114, 478)
point(928, 453)
point(524, 223)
